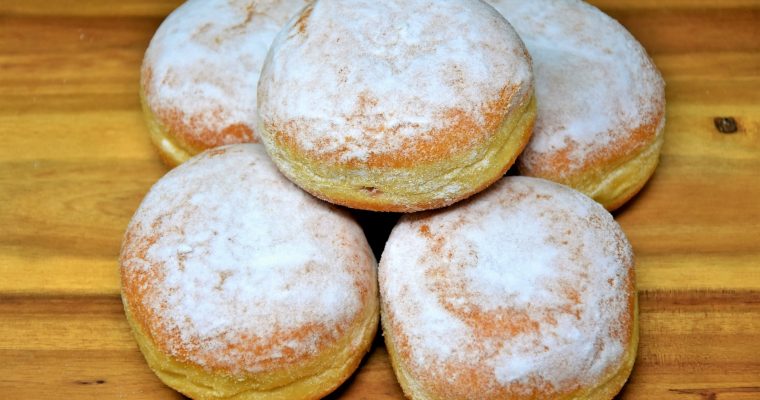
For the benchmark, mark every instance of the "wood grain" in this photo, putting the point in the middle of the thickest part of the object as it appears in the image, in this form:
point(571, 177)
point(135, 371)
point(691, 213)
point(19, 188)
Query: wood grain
point(75, 161)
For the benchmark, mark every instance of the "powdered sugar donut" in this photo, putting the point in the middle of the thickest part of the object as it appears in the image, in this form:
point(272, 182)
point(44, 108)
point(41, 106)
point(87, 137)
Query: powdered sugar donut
point(601, 100)
point(199, 75)
point(237, 284)
point(525, 291)
point(397, 105)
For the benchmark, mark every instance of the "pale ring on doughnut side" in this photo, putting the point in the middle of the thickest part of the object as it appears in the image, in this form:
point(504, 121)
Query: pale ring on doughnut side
point(238, 285)
point(396, 105)
point(199, 75)
point(525, 291)
point(601, 100)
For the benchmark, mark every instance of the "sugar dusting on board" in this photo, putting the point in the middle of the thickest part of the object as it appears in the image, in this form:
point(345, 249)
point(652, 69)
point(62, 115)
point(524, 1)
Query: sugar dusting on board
point(527, 286)
point(595, 85)
point(359, 78)
point(204, 61)
point(236, 267)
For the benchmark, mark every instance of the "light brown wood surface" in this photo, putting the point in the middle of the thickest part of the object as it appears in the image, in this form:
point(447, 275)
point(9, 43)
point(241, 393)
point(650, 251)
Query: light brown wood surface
point(75, 161)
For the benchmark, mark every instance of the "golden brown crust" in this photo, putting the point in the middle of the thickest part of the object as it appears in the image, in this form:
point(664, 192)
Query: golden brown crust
point(139, 289)
point(462, 134)
point(554, 165)
point(313, 379)
point(414, 390)
point(201, 69)
point(171, 151)
point(478, 310)
point(485, 325)
point(386, 106)
point(424, 185)
point(431, 205)
point(644, 175)
point(189, 133)
point(220, 290)
point(601, 99)
point(611, 177)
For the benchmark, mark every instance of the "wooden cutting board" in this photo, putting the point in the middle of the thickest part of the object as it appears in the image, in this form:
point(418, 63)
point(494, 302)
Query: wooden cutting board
point(75, 161)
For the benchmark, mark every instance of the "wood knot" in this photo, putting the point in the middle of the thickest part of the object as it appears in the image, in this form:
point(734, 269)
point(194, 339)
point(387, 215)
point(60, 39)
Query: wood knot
point(725, 124)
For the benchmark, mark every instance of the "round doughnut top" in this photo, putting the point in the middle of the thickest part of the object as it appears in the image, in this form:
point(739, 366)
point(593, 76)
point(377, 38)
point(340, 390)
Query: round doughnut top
point(526, 288)
point(228, 265)
point(201, 69)
point(599, 95)
point(384, 82)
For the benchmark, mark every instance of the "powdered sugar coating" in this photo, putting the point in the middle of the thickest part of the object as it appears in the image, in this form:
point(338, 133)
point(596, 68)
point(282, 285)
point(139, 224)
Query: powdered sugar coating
point(228, 265)
point(350, 80)
point(201, 69)
point(527, 288)
point(598, 92)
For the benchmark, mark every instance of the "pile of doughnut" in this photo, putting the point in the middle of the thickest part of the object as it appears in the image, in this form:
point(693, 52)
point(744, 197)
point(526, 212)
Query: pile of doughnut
point(245, 274)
